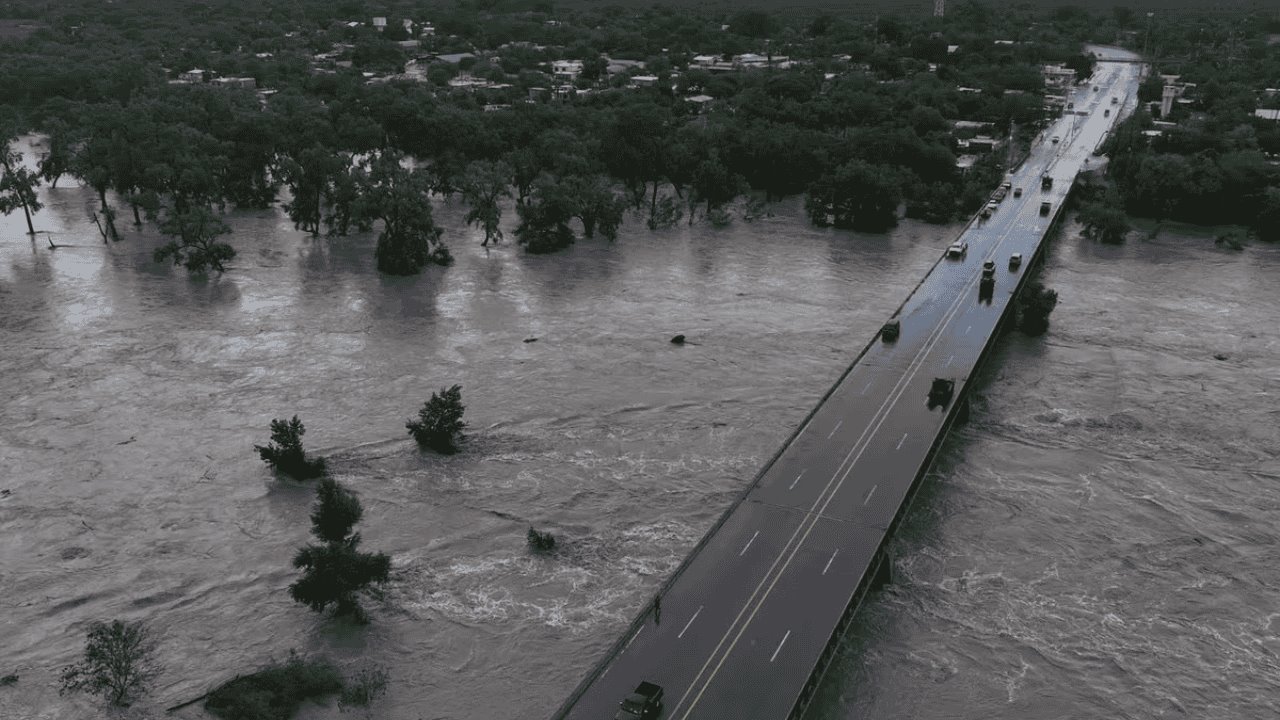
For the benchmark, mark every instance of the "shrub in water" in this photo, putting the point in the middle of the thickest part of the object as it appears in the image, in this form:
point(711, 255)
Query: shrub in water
point(275, 693)
point(541, 541)
point(439, 424)
point(284, 453)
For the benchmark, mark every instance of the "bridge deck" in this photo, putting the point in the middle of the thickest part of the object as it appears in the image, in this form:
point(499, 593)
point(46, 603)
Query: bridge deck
point(748, 622)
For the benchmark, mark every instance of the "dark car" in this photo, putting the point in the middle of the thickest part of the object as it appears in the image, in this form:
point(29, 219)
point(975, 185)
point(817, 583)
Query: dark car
point(941, 391)
point(890, 331)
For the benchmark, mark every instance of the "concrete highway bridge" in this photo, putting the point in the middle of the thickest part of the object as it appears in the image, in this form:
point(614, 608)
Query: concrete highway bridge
point(748, 624)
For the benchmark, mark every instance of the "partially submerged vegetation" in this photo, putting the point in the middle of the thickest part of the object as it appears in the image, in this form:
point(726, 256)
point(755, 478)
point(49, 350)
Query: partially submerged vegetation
point(285, 454)
point(439, 424)
point(119, 663)
point(541, 541)
point(1209, 154)
point(577, 114)
point(275, 692)
point(336, 573)
point(1035, 302)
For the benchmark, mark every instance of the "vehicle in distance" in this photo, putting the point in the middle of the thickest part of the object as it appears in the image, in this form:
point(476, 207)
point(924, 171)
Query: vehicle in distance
point(1071, 106)
point(890, 331)
point(1015, 261)
point(988, 268)
point(1056, 139)
point(1106, 113)
point(1044, 207)
point(1115, 100)
point(1046, 182)
point(1006, 186)
point(958, 249)
point(643, 704)
point(1017, 192)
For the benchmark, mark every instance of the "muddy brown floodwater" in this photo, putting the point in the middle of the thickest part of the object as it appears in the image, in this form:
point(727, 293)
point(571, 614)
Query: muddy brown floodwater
point(1098, 541)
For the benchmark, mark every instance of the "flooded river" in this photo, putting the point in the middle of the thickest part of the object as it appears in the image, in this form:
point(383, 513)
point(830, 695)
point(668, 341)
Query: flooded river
point(1099, 540)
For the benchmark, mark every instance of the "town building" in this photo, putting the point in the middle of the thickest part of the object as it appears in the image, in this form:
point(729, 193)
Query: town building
point(566, 69)
point(246, 83)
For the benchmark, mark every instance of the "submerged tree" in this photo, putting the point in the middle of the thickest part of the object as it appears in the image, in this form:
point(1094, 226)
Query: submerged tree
point(119, 663)
point(1034, 305)
point(540, 541)
point(544, 218)
point(195, 245)
point(285, 454)
point(439, 424)
point(335, 573)
point(856, 195)
point(399, 197)
point(18, 186)
point(484, 184)
point(1103, 222)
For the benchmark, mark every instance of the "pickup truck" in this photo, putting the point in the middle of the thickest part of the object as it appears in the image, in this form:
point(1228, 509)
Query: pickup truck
point(642, 704)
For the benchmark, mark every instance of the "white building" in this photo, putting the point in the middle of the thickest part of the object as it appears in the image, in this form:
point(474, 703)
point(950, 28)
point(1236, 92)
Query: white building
point(566, 69)
point(1058, 76)
point(380, 24)
point(194, 75)
point(246, 83)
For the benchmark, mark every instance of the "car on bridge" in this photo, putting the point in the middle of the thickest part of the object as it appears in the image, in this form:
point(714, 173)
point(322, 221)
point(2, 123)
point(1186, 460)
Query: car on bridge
point(643, 704)
point(1017, 192)
point(890, 331)
point(1045, 207)
point(1015, 261)
point(1115, 100)
point(958, 249)
point(941, 391)
point(1056, 139)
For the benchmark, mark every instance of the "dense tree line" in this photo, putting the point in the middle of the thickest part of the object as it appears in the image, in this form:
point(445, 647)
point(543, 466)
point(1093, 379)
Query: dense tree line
point(1216, 163)
point(862, 126)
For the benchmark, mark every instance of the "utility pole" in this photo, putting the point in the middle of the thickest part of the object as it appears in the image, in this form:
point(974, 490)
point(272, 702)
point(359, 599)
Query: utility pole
point(1146, 45)
point(1008, 163)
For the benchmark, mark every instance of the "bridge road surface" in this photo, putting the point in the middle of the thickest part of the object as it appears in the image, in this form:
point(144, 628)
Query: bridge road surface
point(744, 624)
